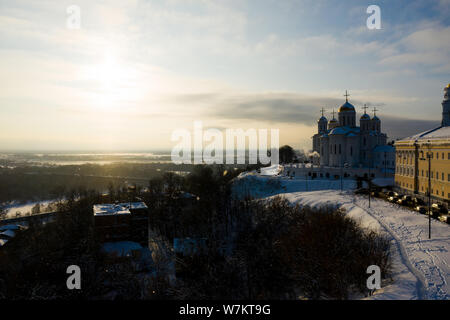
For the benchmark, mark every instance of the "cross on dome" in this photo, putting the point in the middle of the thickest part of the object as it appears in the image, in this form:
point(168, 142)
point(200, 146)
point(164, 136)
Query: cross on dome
point(365, 108)
point(346, 95)
point(374, 111)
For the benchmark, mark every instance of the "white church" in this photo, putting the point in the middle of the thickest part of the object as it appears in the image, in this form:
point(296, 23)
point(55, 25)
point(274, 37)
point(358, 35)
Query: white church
point(344, 149)
point(340, 142)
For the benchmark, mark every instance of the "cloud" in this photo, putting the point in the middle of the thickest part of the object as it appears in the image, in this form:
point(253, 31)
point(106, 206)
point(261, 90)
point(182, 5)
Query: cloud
point(292, 109)
point(426, 47)
point(397, 128)
point(283, 107)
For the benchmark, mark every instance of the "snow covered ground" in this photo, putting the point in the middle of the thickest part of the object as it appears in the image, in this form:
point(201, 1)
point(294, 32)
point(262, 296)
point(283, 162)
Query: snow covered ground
point(17, 210)
point(7, 232)
point(421, 267)
point(267, 183)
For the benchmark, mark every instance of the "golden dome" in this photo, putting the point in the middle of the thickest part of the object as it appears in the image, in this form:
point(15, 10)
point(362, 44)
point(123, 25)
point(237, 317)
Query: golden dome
point(346, 107)
point(448, 86)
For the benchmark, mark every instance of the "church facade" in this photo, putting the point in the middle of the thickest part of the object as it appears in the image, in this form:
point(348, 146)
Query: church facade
point(341, 143)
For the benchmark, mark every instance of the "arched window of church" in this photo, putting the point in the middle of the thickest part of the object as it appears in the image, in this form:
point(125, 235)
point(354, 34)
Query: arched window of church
point(343, 119)
point(351, 150)
point(339, 148)
point(364, 141)
point(334, 149)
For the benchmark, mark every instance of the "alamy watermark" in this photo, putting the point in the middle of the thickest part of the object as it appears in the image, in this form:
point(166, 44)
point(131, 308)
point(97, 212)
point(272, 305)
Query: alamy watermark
point(374, 20)
point(74, 280)
point(74, 19)
point(191, 148)
point(374, 280)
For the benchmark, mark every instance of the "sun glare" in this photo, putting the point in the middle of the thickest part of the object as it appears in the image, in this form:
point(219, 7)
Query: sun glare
point(112, 82)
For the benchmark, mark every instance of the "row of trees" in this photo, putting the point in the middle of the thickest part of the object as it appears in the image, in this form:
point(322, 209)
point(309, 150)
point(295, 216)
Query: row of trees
point(286, 252)
point(289, 155)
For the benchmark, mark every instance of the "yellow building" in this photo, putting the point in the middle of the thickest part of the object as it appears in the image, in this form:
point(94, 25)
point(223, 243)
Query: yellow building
point(411, 172)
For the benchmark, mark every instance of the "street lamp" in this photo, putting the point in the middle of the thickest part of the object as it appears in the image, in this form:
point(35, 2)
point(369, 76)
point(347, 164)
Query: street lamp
point(429, 190)
point(342, 173)
point(306, 174)
point(368, 178)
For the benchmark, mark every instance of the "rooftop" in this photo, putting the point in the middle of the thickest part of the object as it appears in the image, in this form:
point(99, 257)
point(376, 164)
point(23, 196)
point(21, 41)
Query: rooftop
point(119, 208)
point(344, 130)
point(436, 133)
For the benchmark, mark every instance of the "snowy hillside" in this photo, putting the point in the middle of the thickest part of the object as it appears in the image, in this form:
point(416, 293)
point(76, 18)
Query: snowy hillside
point(421, 267)
point(268, 183)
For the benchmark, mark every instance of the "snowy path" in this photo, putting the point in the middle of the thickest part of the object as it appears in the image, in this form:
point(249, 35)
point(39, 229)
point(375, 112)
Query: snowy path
point(430, 257)
point(420, 266)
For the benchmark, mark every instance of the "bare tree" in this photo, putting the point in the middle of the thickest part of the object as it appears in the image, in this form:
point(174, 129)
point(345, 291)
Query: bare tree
point(2, 211)
point(36, 209)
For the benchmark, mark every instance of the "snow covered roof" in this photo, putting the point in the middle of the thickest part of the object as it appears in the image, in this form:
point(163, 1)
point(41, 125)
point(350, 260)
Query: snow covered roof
point(110, 209)
point(8, 233)
point(135, 205)
point(273, 170)
point(344, 130)
point(436, 133)
point(120, 208)
point(9, 227)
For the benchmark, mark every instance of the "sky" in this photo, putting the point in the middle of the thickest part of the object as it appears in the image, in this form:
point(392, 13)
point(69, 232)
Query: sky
point(137, 70)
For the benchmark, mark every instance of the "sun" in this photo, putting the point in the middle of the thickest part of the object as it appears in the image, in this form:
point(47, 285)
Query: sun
point(111, 82)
